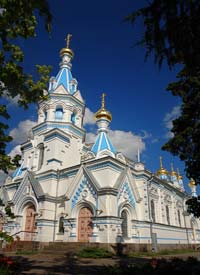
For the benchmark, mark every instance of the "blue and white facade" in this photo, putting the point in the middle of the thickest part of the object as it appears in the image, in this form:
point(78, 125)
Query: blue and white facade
point(60, 175)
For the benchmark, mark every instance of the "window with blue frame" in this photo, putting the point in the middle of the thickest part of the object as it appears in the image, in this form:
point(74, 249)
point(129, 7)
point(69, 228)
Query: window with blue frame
point(59, 113)
point(73, 118)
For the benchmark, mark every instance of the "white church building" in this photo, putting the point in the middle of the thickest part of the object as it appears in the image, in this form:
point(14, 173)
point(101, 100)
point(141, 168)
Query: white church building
point(68, 191)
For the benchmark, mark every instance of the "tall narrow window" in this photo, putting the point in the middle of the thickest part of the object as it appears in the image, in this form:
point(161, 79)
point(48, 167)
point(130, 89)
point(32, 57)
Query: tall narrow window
point(59, 113)
point(41, 155)
point(124, 217)
point(61, 225)
point(153, 214)
point(73, 118)
point(179, 217)
point(45, 115)
point(167, 214)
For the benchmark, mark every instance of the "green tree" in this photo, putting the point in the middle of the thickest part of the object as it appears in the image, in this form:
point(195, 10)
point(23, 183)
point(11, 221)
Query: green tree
point(18, 20)
point(171, 34)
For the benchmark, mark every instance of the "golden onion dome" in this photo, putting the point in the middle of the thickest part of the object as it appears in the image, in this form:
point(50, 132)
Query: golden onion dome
point(67, 50)
point(161, 170)
point(103, 113)
point(179, 177)
point(173, 173)
point(192, 183)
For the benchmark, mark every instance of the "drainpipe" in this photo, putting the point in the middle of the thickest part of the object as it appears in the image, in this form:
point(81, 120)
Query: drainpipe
point(56, 203)
point(149, 209)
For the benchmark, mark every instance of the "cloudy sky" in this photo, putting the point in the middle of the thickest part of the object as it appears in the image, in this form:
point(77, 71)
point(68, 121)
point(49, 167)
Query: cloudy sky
point(106, 61)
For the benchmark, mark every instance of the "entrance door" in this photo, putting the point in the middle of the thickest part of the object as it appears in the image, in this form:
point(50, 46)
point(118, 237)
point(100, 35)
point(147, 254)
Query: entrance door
point(84, 224)
point(29, 223)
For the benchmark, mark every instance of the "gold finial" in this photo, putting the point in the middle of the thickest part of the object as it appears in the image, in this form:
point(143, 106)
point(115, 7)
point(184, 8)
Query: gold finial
point(68, 39)
point(67, 50)
point(103, 113)
point(103, 101)
point(161, 171)
point(161, 166)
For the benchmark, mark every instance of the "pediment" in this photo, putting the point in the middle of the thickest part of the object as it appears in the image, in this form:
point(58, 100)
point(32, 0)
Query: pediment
point(60, 90)
point(126, 182)
point(84, 187)
point(27, 187)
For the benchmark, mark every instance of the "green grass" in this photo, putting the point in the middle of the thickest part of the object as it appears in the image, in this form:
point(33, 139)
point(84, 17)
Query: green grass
point(26, 252)
point(90, 252)
point(161, 253)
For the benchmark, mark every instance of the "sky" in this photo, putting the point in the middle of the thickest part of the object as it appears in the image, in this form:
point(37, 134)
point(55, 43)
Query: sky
point(106, 60)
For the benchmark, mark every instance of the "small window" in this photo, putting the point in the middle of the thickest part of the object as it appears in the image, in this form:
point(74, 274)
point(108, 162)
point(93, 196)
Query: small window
point(59, 113)
point(45, 115)
point(41, 155)
point(61, 225)
point(73, 118)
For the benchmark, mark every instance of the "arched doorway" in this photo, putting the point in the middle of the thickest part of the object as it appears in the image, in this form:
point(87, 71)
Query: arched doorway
point(84, 224)
point(124, 216)
point(29, 222)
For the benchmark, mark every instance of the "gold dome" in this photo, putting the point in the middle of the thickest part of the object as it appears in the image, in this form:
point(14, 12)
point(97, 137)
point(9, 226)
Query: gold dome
point(192, 183)
point(103, 113)
point(173, 173)
point(179, 177)
point(162, 170)
point(67, 50)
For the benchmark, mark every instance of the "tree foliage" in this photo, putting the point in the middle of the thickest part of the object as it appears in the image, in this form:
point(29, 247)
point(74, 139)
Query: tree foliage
point(171, 34)
point(18, 20)
point(193, 206)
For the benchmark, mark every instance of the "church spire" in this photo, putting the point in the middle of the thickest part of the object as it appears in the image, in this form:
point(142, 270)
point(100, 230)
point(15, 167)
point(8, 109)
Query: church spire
point(64, 77)
point(103, 118)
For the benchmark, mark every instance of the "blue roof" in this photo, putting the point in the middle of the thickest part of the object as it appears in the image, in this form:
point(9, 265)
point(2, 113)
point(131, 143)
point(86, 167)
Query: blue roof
point(65, 78)
point(102, 143)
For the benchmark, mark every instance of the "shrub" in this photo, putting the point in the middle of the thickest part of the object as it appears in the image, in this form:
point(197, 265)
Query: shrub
point(93, 252)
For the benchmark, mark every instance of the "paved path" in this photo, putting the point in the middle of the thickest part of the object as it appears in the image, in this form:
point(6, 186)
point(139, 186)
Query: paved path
point(65, 265)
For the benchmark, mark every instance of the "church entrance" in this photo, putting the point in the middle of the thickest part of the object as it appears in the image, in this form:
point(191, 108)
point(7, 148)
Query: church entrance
point(29, 223)
point(84, 224)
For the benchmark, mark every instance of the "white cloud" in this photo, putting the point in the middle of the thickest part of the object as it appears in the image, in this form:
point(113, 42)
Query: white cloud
point(169, 117)
point(15, 151)
point(88, 118)
point(125, 142)
point(20, 133)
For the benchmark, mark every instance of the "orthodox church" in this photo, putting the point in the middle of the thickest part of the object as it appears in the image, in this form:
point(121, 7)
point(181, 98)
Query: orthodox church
point(69, 191)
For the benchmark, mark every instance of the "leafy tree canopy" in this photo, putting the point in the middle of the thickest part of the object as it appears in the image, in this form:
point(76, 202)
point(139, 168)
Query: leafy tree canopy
point(18, 20)
point(171, 33)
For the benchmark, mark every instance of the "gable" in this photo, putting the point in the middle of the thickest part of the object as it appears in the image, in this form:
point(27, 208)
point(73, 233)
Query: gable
point(28, 187)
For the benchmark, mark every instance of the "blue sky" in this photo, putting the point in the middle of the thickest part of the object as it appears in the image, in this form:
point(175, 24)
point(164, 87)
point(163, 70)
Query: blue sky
point(106, 61)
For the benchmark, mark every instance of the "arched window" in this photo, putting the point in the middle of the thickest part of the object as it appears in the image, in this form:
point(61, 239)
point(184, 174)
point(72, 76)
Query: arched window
point(167, 214)
point(61, 225)
point(179, 217)
point(59, 113)
point(153, 214)
point(73, 118)
point(124, 216)
point(41, 155)
point(45, 115)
